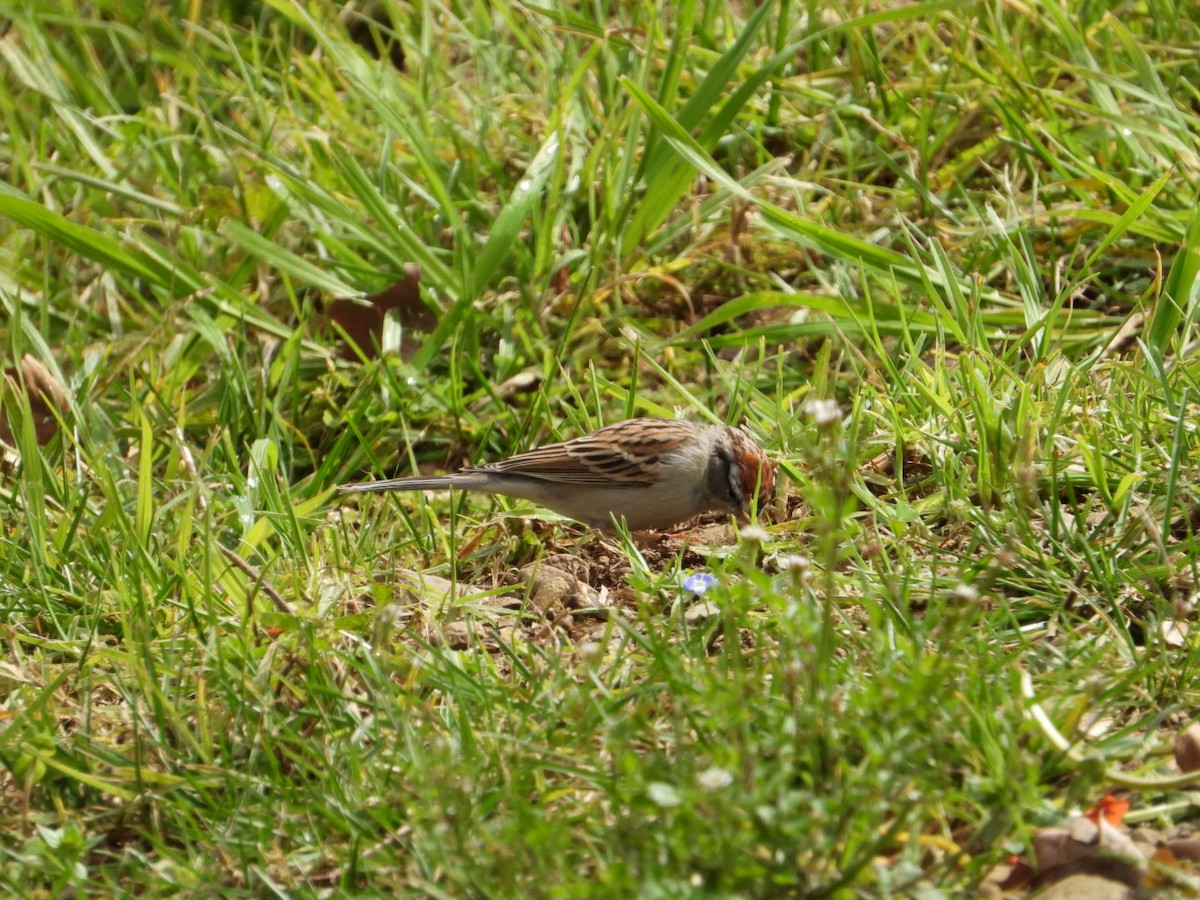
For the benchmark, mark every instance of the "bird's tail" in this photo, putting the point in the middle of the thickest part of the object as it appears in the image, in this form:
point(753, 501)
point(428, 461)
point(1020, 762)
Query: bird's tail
point(413, 483)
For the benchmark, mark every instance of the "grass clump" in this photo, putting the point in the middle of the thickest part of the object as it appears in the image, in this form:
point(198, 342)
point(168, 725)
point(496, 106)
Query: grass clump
point(939, 258)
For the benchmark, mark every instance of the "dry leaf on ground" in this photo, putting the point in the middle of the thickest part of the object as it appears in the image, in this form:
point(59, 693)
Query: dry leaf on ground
point(46, 396)
point(362, 320)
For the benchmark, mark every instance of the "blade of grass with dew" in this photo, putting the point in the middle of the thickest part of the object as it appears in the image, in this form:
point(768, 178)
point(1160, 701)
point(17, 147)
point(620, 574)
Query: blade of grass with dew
point(507, 225)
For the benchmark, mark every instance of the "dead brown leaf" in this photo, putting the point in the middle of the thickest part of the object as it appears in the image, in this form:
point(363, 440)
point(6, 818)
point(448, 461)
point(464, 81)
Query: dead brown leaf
point(46, 396)
point(362, 320)
point(1187, 748)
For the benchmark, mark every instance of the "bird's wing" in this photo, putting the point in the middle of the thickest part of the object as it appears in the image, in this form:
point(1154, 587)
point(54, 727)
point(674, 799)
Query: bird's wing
point(625, 454)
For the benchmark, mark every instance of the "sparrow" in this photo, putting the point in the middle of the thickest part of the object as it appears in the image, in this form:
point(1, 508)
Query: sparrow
point(652, 473)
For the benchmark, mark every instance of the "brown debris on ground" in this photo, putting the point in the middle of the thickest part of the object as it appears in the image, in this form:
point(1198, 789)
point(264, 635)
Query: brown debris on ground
point(47, 399)
point(565, 596)
point(362, 320)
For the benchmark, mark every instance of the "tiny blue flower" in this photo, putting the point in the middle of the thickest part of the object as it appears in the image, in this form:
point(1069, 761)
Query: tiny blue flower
point(699, 582)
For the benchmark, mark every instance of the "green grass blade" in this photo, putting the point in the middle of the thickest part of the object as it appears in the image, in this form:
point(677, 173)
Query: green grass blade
point(87, 242)
point(1178, 297)
point(285, 260)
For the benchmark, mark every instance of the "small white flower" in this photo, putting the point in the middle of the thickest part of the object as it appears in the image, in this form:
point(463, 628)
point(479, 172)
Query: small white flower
point(794, 563)
point(714, 778)
point(590, 652)
point(823, 412)
point(755, 534)
point(663, 794)
point(966, 593)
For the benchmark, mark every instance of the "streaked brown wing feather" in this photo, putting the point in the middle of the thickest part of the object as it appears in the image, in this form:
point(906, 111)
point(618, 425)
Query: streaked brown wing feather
point(626, 453)
point(554, 462)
